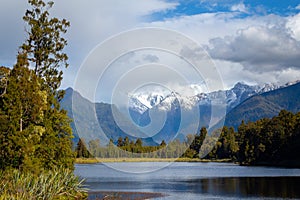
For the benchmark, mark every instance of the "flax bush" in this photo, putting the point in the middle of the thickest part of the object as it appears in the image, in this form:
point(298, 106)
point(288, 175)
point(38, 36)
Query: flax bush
point(58, 184)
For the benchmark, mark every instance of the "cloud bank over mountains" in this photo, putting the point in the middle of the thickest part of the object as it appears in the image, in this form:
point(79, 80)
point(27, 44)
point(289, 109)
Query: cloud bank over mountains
point(254, 42)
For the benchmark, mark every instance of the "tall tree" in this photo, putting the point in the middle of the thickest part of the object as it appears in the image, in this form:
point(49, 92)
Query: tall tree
point(120, 142)
point(23, 104)
point(81, 150)
point(38, 132)
point(44, 49)
point(198, 141)
point(44, 45)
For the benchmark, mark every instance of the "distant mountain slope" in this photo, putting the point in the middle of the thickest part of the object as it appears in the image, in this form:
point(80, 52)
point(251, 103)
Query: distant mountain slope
point(265, 105)
point(174, 116)
point(89, 117)
point(85, 123)
point(210, 107)
point(140, 103)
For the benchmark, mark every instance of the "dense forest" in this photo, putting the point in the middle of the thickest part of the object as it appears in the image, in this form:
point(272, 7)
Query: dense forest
point(264, 142)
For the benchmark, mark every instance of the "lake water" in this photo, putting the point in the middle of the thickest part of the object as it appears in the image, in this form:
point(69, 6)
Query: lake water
point(182, 180)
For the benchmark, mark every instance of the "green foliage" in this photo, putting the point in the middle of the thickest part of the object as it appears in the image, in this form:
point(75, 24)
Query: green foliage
point(270, 141)
point(125, 148)
point(23, 105)
point(198, 141)
point(266, 105)
point(35, 133)
point(4, 73)
point(81, 150)
point(273, 141)
point(227, 146)
point(94, 146)
point(57, 184)
point(44, 45)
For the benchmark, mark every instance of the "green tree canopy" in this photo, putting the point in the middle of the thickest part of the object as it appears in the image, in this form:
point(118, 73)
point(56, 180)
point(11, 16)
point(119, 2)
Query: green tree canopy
point(36, 133)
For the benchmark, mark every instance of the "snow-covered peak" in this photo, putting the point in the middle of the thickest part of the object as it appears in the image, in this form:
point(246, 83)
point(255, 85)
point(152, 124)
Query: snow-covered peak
point(136, 105)
point(267, 87)
point(143, 101)
point(149, 99)
point(291, 83)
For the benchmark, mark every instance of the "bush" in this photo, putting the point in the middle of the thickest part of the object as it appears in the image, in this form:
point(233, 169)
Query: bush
point(57, 184)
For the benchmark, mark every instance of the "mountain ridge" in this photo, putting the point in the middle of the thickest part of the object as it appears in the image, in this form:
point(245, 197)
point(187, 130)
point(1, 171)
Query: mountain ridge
point(265, 105)
point(234, 96)
point(172, 117)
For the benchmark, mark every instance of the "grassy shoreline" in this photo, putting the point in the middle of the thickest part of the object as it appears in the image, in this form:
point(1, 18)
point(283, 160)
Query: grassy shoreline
point(56, 184)
point(105, 160)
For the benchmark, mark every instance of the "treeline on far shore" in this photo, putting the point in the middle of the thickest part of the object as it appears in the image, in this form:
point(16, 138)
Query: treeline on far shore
point(264, 142)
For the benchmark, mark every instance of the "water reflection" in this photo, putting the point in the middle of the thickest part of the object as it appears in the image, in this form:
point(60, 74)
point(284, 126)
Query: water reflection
point(264, 187)
point(283, 187)
point(195, 180)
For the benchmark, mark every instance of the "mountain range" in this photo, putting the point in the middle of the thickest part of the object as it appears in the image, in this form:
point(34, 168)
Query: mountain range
point(156, 116)
point(265, 105)
point(141, 102)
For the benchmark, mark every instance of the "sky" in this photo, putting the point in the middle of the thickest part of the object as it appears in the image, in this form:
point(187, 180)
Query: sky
point(249, 41)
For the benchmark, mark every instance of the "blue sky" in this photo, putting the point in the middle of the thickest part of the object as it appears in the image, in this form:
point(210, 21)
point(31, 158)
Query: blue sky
point(260, 7)
point(251, 41)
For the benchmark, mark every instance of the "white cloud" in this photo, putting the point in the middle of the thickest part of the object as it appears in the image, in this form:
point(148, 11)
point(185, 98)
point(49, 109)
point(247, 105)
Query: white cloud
point(94, 21)
point(235, 72)
point(258, 48)
point(255, 49)
point(203, 27)
point(294, 25)
point(241, 7)
point(271, 42)
point(91, 22)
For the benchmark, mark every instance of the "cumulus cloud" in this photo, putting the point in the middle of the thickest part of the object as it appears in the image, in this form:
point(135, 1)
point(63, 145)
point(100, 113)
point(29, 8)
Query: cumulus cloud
point(267, 46)
point(254, 49)
point(259, 48)
point(241, 7)
point(203, 27)
point(293, 24)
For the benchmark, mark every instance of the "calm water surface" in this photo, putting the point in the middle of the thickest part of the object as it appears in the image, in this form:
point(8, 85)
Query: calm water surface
point(193, 180)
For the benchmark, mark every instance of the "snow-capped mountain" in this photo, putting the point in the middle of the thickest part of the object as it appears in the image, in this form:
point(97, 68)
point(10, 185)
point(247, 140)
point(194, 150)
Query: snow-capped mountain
point(141, 102)
point(180, 111)
point(165, 119)
point(185, 102)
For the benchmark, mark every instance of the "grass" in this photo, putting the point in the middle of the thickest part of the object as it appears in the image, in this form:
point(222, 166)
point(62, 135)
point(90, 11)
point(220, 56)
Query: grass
point(58, 185)
point(103, 160)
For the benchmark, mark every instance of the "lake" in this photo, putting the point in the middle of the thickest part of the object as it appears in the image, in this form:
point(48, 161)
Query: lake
point(182, 180)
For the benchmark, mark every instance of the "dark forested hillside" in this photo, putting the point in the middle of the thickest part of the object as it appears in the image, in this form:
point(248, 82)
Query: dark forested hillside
point(265, 105)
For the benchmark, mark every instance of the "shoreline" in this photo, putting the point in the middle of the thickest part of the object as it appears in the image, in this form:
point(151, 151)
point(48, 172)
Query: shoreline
point(105, 160)
point(294, 164)
point(95, 195)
